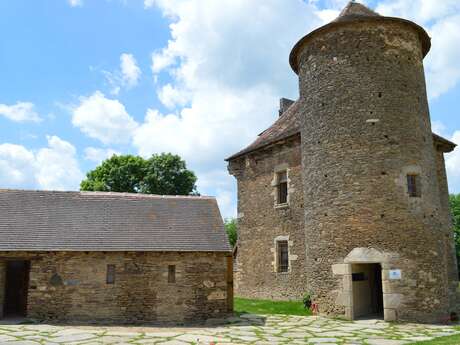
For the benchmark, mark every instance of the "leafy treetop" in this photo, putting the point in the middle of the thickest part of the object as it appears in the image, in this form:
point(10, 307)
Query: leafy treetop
point(164, 174)
point(231, 228)
point(455, 211)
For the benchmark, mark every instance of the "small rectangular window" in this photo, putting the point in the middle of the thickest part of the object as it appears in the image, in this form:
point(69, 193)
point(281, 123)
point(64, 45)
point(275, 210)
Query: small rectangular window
point(282, 188)
point(413, 186)
point(283, 256)
point(110, 274)
point(171, 273)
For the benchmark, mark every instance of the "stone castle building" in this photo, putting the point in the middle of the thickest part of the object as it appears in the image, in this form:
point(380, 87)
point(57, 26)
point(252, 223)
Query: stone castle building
point(113, 257)
point(345, 196)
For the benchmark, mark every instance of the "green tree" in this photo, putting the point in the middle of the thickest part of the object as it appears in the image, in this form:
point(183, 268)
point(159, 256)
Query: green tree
point(116, 174)
point(167, 174)
point(455, 211)
point(232, 231)
point(164, 174)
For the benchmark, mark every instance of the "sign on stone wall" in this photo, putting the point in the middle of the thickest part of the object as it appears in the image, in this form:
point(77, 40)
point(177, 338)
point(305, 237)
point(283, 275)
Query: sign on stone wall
point(394, 274)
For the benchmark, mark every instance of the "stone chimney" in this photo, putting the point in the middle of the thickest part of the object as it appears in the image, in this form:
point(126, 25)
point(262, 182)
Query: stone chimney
point(285, 103)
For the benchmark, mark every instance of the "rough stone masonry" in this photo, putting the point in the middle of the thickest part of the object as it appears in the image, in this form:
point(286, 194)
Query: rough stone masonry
point(368, 195)
point(113, 258)
point(72, 287)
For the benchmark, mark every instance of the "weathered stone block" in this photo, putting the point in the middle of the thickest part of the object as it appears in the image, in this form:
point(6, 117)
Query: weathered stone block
point(389, 315)
point(392, 300)
point(344, 299)
point(340, 269)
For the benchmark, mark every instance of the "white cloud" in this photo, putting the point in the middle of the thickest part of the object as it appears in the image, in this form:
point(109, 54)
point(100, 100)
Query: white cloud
point(129, 69)
point(442, 67)
point(217, 124)
point(20, 112)
point(228, 61)
point(54, 167)
point(57, 166)
point(453, 165)
point(103, 119)
point(330, 9)
point(98, 155)
point(17, 165)
point(171, 96)
point(126, 76)
point(422, 11)
point(220, 184)
point(75, 3)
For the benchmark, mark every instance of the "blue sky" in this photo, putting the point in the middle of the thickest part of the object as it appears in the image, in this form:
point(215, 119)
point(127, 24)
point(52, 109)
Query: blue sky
point(83, 79)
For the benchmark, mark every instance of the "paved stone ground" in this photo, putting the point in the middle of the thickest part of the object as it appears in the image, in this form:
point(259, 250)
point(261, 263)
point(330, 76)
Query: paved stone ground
point(247, 329)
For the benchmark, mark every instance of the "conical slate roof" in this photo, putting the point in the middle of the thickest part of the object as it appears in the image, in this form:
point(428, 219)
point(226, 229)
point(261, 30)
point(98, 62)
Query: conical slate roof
point(355, 12)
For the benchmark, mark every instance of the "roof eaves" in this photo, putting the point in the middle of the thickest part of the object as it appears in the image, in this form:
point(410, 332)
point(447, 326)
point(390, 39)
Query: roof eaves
point(446, 145)
point(263, 146)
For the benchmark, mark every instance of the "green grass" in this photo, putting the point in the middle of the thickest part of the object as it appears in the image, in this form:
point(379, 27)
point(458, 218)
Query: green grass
point(255, 306)
point(451, 340)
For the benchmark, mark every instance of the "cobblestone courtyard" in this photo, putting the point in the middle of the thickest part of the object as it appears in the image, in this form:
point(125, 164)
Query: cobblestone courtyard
point(247, 329)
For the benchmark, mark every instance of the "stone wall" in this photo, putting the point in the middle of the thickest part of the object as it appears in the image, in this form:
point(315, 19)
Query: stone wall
point(365, 126)
point(449, 253)
point(261, 222)
point(71, 286)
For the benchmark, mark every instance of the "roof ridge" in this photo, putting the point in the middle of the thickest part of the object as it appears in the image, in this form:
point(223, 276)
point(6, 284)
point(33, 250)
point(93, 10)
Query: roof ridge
point(143, 195)
point(109, 194)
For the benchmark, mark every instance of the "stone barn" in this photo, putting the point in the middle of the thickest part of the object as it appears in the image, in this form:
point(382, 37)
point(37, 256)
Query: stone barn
point(345, 196)
point(113, 257)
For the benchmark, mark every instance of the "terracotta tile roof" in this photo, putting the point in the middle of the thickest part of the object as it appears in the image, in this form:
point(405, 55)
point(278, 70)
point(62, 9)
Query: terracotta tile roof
point(288, 125)
point(87, 221)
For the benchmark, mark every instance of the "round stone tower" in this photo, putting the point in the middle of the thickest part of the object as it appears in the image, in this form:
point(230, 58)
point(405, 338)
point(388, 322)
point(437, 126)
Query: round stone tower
point(377, 237)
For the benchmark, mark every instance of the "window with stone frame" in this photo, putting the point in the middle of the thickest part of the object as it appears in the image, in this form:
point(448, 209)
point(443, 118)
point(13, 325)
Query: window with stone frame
point(282, 188)
point(110, 279)
point(282, 248)
point(414, 186)
point(171, 274)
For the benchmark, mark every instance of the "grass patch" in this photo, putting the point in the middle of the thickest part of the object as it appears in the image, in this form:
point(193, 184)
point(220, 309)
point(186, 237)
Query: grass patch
point(450, 340)
point(257, 306)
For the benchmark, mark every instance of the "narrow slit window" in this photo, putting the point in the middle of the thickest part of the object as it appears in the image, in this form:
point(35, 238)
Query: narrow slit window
point(110, 274)
point(283, 256)
point(282, 187)
point(413, 186)
point(171, 273)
